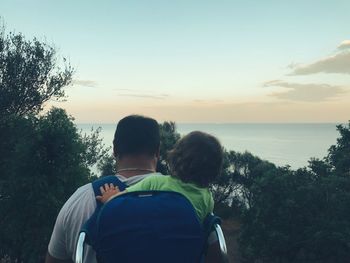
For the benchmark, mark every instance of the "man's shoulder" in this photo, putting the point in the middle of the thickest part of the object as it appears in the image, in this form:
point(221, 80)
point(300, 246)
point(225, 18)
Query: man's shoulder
point(82, 199)
point(82, 192)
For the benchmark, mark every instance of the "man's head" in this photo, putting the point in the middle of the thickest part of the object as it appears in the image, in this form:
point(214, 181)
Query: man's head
point(136, 136)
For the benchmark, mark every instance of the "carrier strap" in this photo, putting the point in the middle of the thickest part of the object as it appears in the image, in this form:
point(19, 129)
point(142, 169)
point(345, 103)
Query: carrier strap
point(110, 179)
point(208, 228)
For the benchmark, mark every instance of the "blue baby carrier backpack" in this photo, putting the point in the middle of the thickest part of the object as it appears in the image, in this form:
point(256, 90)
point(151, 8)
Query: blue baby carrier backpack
point(148, 226)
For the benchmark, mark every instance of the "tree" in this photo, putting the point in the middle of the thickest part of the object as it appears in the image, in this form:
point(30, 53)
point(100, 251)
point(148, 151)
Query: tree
point(43, 161)
point(43, 158)
point(96, 153)
point(239, 172)
point(338, 159)
point(107, 165)
point(303, 215)
point(30, 74)
point(168, 138)
point(339, 154)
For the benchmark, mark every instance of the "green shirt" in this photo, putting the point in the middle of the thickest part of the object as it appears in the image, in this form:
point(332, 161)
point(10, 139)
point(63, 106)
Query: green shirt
point(200, 198)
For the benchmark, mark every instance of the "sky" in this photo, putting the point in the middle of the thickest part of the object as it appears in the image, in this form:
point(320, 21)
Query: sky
point(197, 61)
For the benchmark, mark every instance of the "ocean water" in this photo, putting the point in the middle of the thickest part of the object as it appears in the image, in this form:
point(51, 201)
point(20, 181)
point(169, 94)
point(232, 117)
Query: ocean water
point(283, 144)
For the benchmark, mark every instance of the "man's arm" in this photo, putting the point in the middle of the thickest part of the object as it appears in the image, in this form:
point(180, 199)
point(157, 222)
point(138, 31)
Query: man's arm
point(50, 259)
point(74, 213)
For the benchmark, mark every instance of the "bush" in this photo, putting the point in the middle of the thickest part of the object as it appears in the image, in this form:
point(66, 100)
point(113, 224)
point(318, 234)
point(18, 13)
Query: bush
point(303, 215)
point(43, 161)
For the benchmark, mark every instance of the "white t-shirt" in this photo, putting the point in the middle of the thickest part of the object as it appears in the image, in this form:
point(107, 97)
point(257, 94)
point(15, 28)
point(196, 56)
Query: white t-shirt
point(74, 213)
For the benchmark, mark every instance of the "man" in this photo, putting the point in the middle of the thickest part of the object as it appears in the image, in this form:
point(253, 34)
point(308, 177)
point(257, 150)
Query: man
point(136, 148)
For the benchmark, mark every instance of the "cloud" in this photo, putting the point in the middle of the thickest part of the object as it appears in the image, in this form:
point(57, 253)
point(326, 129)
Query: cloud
point(207, 101)
point(270, 83)
point(310, 92)
point(338, 63)
point(85, 83)
point(128, 90)
point(344, 45)
point(292, 65)
point(145, 96)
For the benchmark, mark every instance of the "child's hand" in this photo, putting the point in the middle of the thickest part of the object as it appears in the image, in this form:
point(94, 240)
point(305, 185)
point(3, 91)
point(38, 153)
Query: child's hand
point(107, 192)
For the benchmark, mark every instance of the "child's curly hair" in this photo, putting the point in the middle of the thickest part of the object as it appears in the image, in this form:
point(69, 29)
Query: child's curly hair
point(196, 158)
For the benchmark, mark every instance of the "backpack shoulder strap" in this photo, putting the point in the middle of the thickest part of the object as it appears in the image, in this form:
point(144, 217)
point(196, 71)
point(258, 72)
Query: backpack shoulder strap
point(208, 227)
point(110, 179)
point(209, 223)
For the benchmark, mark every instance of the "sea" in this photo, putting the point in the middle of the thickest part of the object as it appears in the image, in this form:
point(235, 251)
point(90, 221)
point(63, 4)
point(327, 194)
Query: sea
point(290, 144)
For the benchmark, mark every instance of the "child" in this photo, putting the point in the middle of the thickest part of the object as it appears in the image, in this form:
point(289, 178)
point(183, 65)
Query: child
point(194, 162)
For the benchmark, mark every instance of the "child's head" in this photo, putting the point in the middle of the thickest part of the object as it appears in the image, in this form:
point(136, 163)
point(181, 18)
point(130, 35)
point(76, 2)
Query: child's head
point(196, 158)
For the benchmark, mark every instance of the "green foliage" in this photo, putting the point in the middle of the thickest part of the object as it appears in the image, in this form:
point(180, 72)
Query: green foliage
point(107, 165)
point(232, 211)
point(303, 215)
point(339, 154)
point(168, 138)
point(43, 161)
point(96, 153)
point(240, 170)
point(29, 74)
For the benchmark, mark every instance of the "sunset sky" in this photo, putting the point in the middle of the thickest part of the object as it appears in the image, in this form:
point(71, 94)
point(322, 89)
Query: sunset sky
point(197, 61)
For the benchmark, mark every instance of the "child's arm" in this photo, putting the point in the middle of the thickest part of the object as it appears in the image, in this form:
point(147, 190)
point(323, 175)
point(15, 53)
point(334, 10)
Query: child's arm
point(108, 191)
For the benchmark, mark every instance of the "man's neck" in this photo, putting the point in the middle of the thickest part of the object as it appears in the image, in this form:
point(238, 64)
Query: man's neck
point(133, 166)
point(128, 174)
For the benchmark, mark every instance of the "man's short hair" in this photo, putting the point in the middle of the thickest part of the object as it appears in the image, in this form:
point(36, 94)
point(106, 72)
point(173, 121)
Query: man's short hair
point(136, 134)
